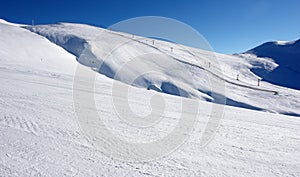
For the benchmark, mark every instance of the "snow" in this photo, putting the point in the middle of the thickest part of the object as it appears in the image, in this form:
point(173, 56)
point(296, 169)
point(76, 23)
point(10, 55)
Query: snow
point(8, 23)
point(286, 56)
point(20, 48)
point(40, 134)
point(284, 42)
point(128, 59)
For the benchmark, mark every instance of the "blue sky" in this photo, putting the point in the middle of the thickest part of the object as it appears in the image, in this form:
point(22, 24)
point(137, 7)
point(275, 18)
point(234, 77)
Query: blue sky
point(230, 26)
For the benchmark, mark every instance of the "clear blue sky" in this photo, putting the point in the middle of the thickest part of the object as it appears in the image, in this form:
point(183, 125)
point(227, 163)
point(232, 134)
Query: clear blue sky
point(230, 26)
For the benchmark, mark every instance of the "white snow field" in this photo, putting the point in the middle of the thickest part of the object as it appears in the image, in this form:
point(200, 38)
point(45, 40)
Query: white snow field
point(40, 134)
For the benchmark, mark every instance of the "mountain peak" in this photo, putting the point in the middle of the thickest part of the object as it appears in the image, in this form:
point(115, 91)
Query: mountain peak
point(287, 55)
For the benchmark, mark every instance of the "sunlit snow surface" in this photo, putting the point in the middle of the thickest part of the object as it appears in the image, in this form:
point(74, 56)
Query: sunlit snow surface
point(202, 67)
point(40, 135)
point(284, 42)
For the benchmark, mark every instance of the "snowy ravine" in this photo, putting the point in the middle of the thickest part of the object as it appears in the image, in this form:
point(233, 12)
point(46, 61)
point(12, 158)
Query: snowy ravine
point(40, 135)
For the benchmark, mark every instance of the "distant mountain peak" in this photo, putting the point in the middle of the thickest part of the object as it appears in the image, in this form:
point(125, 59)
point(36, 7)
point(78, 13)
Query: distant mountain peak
point(287, 55)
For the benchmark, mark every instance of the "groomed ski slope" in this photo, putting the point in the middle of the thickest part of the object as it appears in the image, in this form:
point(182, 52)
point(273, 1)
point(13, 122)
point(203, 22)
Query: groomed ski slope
point(40, 135)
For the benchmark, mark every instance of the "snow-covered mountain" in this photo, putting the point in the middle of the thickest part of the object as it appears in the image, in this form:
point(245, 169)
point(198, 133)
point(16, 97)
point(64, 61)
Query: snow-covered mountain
point(197, 71)
point(40, 134)
point(287, 55)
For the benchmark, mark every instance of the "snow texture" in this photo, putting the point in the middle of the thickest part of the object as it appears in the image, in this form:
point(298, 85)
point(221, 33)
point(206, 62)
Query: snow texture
point(41, 137)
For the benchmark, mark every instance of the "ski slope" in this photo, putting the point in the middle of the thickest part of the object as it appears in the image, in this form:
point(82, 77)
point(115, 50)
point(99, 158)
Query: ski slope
point(40, 135)
point(197, 73)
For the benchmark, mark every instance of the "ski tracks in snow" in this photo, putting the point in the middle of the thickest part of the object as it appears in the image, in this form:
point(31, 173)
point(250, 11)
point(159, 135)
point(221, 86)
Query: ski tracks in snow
point(20, 123)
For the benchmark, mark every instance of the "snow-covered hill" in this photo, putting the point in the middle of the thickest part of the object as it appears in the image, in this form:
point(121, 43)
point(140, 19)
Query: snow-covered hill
point(196, 71)
point(40, 134)
point(287, 55)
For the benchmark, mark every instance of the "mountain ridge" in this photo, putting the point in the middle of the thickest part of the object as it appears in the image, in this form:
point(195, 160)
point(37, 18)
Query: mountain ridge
point(287, 56)
point(194, 77)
